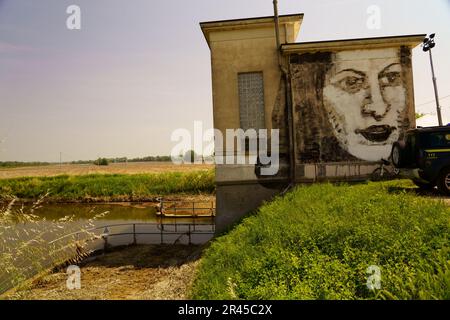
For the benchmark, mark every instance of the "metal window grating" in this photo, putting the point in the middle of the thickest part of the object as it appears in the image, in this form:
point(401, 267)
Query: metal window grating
point(251, 100)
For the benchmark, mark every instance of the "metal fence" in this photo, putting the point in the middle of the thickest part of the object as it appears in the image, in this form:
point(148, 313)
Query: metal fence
point(164, 233)
point(186, 208)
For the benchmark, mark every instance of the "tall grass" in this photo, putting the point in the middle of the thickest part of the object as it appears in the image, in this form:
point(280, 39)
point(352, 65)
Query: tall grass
point(317, 242)
point(24, 242)
point(108, 187)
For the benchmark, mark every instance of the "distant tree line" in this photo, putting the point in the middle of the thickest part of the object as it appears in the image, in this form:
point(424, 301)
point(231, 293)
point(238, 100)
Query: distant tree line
point(99, 161)
point(15, 164)
point(188, 157)
point(107, 161)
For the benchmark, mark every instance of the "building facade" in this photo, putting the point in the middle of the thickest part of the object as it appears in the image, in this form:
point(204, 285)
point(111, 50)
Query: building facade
point(338, 105)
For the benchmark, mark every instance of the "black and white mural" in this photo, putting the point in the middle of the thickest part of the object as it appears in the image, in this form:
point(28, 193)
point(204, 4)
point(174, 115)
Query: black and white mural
point(350, 105)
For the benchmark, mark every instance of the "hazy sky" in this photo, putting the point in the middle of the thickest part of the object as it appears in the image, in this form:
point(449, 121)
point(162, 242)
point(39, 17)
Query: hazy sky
point(139, 69)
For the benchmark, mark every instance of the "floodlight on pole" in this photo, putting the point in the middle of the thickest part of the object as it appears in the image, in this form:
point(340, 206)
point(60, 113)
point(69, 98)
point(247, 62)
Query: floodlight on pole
point(428, 44)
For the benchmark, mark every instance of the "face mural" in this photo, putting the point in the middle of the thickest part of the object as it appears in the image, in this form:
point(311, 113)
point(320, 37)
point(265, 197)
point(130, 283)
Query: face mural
point(364, 96)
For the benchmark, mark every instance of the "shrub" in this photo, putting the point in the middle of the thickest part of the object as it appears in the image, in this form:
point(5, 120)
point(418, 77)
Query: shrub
point(101, 162)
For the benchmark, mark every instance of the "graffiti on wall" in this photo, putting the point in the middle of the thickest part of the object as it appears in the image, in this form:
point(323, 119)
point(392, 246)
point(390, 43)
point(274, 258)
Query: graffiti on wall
point(350, 105)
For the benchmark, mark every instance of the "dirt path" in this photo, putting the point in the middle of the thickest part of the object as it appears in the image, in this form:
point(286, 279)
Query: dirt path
point(154, 272)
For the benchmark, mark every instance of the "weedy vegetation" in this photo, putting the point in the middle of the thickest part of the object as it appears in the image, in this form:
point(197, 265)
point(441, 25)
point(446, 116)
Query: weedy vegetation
point(317, 242)
point(25, 246)
point(109, 187)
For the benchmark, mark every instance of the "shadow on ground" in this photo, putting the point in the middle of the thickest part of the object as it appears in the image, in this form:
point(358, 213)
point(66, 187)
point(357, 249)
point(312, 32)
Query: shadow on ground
point(433, 193)
point(144, 272)
point(146, 256)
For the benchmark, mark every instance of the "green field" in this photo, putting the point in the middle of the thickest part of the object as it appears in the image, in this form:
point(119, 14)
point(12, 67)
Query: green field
point(318, 242)
point(109, 187)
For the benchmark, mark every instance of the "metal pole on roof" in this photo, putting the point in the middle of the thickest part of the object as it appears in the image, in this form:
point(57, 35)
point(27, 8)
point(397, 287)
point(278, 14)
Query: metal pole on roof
point(277, 23)
point(438, 106)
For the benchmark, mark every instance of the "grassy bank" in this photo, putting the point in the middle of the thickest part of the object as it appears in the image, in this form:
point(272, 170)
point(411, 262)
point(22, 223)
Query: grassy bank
point(116, 187)
point(317, 243)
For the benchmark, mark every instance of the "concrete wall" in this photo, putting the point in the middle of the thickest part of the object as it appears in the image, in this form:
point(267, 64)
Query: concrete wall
point(237, 200)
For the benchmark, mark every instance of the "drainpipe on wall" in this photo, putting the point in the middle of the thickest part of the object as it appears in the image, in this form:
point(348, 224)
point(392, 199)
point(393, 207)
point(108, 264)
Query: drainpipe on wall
point(287, 81)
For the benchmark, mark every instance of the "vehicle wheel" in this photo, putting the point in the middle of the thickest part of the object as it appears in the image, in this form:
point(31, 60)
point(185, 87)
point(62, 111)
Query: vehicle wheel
point(398, 154)
point(424, 186)
point(444, 182)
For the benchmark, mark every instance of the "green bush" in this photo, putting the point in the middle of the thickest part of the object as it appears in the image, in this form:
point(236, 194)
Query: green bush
point(318, 242)
point(101, 162)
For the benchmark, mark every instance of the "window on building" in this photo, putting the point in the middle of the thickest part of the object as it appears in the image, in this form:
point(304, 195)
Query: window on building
point(251, 100)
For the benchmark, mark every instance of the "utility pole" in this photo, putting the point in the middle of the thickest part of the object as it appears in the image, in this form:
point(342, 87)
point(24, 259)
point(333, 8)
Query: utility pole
point(428, 44)
point(60, 159)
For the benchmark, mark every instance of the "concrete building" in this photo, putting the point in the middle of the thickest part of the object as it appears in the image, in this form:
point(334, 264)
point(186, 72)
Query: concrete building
point(339, 105)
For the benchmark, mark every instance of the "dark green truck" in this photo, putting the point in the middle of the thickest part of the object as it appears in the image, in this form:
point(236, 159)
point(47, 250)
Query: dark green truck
point(424, 156)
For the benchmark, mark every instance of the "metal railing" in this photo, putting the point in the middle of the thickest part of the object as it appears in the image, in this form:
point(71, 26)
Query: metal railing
point(181, 208)
point(161, 229)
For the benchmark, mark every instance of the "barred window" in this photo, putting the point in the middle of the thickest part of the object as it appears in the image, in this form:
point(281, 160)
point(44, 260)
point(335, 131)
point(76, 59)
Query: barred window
point(251, 100)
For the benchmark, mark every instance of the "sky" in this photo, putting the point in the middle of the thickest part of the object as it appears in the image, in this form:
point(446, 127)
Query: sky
point(137, 70)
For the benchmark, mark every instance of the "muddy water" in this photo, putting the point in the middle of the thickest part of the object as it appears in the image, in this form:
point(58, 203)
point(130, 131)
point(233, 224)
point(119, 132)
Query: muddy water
point(123, 223)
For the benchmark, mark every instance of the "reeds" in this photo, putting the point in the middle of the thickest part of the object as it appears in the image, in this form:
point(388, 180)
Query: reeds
point(27, 244)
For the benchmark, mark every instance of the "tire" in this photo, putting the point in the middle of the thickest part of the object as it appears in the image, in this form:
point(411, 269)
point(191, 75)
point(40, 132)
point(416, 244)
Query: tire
point(444, 182)
point(398, 154)
point(424, 186)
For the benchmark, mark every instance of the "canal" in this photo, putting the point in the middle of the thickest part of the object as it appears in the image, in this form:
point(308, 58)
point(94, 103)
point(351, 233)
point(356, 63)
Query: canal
point(34, 239)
